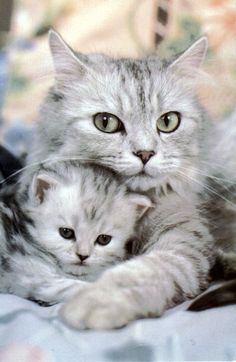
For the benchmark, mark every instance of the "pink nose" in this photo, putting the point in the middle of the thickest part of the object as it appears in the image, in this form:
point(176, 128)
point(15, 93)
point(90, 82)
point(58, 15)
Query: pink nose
point(144, 155)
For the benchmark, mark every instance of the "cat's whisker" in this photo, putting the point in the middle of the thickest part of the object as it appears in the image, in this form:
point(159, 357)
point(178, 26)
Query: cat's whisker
point(211, 190)
point(213, 163)
point(191, 168)
point(217, 180)
point(205, 162)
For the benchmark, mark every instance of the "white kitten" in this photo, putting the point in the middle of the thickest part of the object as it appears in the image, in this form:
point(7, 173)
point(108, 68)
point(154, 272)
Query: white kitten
point(71, 226)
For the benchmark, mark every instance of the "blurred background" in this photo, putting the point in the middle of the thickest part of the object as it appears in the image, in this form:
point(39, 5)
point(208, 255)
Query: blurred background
point(117, 27)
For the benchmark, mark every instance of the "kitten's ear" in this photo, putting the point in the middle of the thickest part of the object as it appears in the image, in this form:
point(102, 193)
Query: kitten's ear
point(143, 203)
point(41, 183)
point(190, 60)
point(67, 65)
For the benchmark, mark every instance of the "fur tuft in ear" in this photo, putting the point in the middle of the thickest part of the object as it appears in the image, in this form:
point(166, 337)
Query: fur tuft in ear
point(42, 183)
point(142, 202)
point(191, 59)
point(66, 63)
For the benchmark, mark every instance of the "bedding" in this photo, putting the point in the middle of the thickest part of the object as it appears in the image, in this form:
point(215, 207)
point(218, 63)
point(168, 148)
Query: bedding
point(30, 333)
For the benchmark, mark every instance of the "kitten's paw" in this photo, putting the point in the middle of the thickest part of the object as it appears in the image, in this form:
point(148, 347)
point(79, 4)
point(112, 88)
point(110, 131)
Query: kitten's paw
point(99, 307)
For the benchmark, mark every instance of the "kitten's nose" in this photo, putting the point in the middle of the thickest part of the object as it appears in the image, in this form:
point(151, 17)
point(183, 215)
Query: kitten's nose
point(144, 155)
point(83, 257)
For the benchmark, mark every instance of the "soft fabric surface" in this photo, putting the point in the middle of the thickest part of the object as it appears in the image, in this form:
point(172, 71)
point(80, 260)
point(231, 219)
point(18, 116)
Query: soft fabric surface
point(30, 333)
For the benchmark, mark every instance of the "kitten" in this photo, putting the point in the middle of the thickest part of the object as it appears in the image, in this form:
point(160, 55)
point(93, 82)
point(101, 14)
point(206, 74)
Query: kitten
point(69, 227)
point(140, 118)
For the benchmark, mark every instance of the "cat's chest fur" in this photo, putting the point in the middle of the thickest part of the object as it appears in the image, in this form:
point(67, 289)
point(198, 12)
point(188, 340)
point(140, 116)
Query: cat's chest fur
point(170, 211)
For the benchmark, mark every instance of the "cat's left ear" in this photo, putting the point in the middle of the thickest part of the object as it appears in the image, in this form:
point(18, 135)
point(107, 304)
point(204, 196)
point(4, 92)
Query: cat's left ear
point(142, 202)
point(41, 184)
point(191, 59)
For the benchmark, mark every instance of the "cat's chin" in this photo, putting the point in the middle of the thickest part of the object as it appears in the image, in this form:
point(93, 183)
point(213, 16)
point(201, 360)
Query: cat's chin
point(143, 182)
point(83, 272)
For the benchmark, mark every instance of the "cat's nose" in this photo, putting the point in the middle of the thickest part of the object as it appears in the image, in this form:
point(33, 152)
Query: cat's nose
point(144, 155)
point(83, 257)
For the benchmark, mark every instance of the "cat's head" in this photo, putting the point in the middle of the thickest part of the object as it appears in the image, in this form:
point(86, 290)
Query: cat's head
point(138, 117)
point(85, 218)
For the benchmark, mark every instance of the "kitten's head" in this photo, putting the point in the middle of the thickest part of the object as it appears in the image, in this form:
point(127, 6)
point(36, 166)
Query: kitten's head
point(138, 117)
point(85, 218)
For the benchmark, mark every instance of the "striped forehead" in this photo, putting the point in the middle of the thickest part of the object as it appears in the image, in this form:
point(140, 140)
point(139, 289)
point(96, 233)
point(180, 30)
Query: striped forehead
point(97, 195)
point(137, 83)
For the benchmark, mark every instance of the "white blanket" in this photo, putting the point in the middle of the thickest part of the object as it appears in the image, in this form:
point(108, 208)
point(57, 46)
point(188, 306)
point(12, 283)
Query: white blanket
point(30, 333)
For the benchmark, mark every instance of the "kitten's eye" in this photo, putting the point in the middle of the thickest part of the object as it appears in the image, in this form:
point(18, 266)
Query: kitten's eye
point(108, 123)
point(168, 122)
point(103, 239)
point(67, 233)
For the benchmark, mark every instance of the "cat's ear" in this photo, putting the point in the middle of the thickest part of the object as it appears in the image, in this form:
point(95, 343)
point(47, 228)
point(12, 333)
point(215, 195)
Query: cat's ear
point(41, 183)
point(67, 64)
point(142, 202)
point(191, 59)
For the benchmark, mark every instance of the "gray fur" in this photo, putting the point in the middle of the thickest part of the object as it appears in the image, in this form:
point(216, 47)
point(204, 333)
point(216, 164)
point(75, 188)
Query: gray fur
point(36, 262)
point(177, 244)
point(221, 213)
point(218, 297)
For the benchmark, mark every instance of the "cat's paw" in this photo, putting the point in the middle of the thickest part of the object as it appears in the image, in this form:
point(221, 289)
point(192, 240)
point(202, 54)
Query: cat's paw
point(99, 307)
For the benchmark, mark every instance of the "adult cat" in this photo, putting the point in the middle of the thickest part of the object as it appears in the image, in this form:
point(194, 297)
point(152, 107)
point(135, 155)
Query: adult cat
point(140, 118)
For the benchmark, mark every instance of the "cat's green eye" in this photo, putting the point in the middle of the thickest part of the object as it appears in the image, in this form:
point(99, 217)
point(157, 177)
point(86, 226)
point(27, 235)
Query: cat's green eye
point(67, 233)
point(168, 122)
point(107, 122)
point(103, 239)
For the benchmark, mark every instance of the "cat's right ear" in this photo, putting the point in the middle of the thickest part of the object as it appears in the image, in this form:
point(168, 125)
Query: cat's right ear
point(67, 64)
point(41, 184)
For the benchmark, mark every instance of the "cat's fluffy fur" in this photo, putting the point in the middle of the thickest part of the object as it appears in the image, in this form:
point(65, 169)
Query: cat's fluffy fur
point(177, 243)
point(224, 268)
point(221, 212)
point(36, 261)
point(138, 92)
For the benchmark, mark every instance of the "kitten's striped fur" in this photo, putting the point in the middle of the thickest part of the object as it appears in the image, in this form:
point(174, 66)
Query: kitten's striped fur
point(36, 262)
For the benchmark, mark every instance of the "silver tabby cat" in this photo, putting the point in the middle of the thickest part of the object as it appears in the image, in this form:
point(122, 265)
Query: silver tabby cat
point(67, 231)
point(140, 118)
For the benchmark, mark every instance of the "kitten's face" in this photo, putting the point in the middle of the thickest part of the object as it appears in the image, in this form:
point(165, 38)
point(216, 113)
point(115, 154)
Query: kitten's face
point(87, 225)
point(137, 117)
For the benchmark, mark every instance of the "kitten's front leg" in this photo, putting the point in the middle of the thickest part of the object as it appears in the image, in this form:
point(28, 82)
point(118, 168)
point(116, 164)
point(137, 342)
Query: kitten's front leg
point(145, 286)
point(56, 290)
point(33, 279)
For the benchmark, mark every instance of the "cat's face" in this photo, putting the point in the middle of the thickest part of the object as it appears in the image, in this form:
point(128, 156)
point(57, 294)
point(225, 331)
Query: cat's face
point(138, 117)
point(86, 221)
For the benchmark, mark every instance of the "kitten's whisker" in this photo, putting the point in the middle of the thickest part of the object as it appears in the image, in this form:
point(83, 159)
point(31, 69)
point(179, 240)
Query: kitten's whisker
point(46, 161)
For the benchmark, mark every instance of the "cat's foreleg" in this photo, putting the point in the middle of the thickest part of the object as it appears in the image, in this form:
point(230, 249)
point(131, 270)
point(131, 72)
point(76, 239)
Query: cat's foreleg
point(145, 286)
